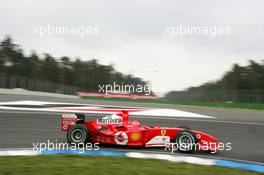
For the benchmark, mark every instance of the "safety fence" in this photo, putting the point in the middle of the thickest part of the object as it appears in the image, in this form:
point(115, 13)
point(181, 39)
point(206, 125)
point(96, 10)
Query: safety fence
point(14, 81)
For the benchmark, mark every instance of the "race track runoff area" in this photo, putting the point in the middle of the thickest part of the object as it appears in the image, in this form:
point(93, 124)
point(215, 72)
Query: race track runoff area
point(24, 120)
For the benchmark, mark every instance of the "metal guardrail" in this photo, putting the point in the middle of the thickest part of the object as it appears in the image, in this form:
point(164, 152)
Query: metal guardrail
point(118, 95)
point(14, 81)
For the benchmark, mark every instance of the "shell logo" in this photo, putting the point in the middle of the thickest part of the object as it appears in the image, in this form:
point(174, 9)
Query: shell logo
point(135, 136)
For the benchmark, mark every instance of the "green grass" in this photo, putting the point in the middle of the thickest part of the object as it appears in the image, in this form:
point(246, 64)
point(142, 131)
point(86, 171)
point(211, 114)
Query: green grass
point(77, 164)
point(258, 106)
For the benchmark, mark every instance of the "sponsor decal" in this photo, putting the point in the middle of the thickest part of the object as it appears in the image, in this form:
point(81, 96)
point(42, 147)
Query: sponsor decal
point(69, 123)
point(121, 138)
point(135, 136)
point(102, 139)
point(163, 132)
point(69, 116)
point(110, 119)
point(65, 127)
point(198, 136)
point(158, 141)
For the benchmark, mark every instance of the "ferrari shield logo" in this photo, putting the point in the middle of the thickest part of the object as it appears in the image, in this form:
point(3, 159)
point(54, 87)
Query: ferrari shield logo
point(163, 132)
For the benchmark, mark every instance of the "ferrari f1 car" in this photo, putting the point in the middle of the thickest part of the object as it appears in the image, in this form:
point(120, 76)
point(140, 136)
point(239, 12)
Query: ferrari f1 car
point(117, 129)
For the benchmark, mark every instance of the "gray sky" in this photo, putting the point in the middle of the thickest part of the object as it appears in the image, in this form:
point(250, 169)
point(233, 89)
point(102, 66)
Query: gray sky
point(132, 35)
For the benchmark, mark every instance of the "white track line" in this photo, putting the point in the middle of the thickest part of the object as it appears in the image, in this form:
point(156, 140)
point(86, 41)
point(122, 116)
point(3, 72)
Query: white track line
point(92, 108)
point(204, 120)
point(145, 117)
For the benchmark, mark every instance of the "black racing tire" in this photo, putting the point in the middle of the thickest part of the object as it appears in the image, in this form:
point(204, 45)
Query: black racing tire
point(78, 134)
point(186, 141)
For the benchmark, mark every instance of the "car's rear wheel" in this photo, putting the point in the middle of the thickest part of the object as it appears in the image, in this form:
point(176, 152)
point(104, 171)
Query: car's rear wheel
point(78, 134)
point(186, 141)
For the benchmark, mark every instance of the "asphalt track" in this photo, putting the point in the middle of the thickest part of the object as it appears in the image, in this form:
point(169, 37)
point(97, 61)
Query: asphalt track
point(243, 128)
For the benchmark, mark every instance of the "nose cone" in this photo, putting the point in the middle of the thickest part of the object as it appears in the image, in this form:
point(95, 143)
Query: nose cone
point(205, 137)
point(207, 142)
point(211, 138)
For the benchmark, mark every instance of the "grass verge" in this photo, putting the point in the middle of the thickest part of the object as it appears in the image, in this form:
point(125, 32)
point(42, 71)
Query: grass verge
point(77, 164)
point(257, 106)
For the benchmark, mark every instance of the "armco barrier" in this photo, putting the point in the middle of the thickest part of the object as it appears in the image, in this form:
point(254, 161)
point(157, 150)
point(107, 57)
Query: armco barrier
point(35, 93)
point(9, 81)
point(172, 158)
point(112, 95)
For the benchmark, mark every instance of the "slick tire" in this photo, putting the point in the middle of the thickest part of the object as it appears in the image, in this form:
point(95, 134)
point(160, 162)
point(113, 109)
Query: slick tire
point(78, 134)
point(186, 141)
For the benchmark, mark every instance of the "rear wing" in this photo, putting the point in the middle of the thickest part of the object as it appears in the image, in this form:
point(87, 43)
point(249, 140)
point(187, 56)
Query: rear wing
point(69, 120)
point(124, 114)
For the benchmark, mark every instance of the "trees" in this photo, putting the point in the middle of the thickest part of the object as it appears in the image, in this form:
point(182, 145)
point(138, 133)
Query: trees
point(86, 75)
point(240, 84)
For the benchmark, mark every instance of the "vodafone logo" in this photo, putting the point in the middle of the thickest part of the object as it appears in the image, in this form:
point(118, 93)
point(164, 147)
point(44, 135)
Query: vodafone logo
point(65, 127)
point(121, 138)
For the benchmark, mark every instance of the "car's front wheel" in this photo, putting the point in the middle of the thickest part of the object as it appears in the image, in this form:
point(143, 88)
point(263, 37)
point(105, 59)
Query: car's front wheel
point(186, 141)
point(78, 134)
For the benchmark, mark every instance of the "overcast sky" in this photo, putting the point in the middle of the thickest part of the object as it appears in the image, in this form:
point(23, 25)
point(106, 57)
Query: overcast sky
point(133, 35)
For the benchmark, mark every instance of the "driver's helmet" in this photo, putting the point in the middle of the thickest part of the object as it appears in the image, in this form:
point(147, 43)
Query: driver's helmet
point(135, 123)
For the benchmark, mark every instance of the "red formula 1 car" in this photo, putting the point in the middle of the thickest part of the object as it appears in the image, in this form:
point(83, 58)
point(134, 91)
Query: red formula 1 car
point(117, 129)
